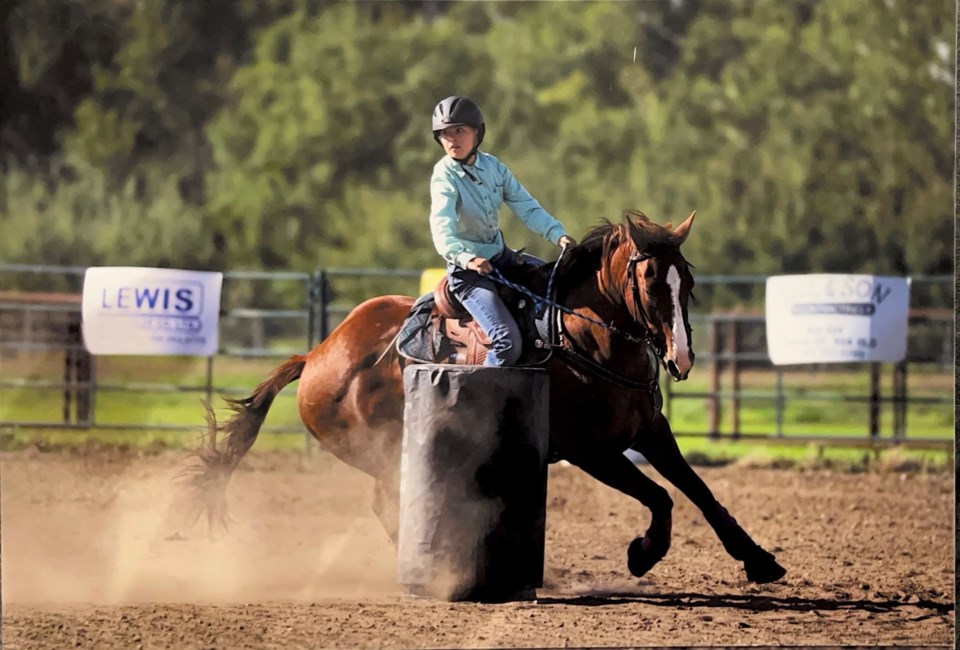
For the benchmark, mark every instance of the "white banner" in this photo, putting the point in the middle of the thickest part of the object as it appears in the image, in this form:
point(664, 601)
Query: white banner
point(133, 310)
point(823, 318)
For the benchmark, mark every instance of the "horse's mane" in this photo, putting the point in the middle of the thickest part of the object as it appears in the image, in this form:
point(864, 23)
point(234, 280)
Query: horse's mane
point(650, 234)
point(597, 247)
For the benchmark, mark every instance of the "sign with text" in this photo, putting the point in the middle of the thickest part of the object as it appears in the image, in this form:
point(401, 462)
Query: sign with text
point(824, 318)
point(134, 310)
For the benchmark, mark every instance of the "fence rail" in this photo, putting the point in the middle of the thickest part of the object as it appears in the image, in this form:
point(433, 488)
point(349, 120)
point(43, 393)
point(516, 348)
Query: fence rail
point(271, 315)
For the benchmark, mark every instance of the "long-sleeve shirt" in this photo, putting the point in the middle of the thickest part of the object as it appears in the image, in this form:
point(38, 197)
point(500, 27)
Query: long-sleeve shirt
point(465, 208)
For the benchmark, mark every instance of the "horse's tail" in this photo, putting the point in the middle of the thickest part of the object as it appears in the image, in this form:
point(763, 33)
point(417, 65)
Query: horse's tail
point(206, 482)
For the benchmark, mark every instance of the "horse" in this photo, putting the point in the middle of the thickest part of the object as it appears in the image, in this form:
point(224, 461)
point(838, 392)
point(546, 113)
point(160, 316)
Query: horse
point(623, 290)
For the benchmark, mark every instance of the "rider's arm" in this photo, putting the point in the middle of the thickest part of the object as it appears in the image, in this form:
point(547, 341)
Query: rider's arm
point(444, 199)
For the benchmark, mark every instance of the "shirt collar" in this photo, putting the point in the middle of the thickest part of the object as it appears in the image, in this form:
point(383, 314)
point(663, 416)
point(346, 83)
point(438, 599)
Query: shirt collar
point(459, 170)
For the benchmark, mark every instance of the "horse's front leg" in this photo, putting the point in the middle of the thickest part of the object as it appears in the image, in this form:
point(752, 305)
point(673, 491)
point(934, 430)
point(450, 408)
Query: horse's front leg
point(386, 505)
point(660, 448)
point(617, 471)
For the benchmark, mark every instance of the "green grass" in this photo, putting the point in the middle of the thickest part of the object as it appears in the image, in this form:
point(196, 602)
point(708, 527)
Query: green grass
point(812, 405)
point(698, 451)
point(154, 410)
point(115, 408)
point(706, 451)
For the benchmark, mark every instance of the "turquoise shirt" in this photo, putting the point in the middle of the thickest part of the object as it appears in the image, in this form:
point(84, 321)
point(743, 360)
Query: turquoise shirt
point(465, 205)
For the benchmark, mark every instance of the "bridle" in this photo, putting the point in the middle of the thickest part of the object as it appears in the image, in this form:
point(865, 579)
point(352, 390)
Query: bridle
point(650, 337)
point(655, 339)
point(580, 360)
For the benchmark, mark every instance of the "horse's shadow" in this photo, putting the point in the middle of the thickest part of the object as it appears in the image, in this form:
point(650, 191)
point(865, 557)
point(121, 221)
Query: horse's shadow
point(750, 602)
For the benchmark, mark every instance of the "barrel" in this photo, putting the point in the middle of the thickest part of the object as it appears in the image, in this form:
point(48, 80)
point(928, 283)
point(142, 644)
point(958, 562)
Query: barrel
point(473, 482)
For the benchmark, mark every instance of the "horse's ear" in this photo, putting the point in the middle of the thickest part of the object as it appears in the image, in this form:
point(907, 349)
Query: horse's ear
point(681, 231)
point(635, 233)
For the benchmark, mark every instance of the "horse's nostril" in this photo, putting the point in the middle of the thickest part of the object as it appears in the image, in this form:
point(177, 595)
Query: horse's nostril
point(673, 369)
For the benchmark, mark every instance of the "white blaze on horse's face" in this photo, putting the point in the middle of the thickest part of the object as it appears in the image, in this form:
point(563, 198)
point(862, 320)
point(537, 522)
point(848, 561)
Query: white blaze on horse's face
point(678, 350)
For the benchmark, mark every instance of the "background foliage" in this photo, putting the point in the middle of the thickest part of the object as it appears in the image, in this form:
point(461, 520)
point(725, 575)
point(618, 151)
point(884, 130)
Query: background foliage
point(810, 135)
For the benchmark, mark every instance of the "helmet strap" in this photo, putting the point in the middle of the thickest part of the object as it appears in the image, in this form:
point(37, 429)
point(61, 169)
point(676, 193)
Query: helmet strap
point(473, 152)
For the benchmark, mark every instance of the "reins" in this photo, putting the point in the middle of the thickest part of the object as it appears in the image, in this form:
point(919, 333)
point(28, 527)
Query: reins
point(576, 358)
point(548, 302)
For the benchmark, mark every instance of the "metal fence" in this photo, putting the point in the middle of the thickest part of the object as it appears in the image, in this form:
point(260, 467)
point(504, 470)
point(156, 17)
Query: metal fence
point(267, 316)
point(736, 347)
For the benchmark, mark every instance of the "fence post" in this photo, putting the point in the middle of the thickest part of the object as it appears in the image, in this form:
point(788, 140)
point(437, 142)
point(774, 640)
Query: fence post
point(780, 400)
point(323, 295)
point(209, 385)
point(68, 385)
point(84, 372)
point(90, 393)
point(311, 311)
point(900, 400)
point(77, 375)
point(874, 401)
point(734, 379)
point(70, 354)
point(714, 424)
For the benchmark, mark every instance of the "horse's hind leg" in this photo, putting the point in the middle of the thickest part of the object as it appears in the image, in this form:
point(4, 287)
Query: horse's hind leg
point(618, 472)
point(660, 448)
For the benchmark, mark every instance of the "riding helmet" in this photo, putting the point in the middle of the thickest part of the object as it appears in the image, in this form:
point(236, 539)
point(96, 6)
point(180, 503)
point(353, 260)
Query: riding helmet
point(454, 111)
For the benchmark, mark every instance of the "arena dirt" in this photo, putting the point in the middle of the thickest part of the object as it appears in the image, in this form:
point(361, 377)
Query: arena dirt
point(93, 556)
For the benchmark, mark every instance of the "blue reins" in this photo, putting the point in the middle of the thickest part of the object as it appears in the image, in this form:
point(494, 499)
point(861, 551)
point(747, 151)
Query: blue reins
point(541, 302)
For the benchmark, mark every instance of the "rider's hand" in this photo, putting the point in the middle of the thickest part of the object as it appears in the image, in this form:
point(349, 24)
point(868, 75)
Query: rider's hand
point(480, 265)
point(566, 240)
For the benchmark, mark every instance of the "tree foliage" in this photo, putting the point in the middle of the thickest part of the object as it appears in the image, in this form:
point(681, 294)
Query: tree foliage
point(283, 134)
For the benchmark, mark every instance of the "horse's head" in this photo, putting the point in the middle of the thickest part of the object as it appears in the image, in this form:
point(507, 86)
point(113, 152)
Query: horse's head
point(658, 286)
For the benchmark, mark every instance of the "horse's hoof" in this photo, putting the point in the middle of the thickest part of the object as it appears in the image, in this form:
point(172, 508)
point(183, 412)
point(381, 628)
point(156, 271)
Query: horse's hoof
point(641, 560)
point(764, 569)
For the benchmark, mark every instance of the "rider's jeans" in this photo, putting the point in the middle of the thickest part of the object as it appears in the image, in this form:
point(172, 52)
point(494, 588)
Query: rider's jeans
point(478, 295)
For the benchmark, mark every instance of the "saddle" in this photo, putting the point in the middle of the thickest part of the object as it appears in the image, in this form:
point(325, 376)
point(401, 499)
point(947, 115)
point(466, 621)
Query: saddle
point(439, 330)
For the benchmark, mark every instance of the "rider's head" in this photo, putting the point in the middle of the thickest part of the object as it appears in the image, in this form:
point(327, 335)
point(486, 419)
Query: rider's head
point(458, 111)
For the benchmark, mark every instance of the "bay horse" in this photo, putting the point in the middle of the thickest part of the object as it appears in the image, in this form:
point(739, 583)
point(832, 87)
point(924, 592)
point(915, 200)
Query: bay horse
point(625, 290)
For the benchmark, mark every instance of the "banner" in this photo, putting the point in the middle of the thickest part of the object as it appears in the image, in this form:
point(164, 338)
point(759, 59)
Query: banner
point(145, 311)
point(823, 318)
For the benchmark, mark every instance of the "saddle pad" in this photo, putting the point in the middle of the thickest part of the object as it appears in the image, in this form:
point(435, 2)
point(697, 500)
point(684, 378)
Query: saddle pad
point(414, 340)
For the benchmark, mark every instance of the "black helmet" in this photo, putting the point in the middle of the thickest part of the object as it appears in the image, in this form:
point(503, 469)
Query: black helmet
point(454, 111)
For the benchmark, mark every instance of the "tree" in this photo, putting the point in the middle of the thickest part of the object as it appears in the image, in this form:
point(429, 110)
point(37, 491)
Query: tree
point(802, 136)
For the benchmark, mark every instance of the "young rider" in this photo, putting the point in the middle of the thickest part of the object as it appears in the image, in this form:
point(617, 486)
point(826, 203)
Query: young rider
point(466, 191)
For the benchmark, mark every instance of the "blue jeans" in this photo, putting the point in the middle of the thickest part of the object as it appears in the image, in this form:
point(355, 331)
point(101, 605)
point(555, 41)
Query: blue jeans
point(478, 295)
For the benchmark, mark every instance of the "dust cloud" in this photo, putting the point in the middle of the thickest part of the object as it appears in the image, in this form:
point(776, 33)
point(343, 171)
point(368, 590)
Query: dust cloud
point(110, 530)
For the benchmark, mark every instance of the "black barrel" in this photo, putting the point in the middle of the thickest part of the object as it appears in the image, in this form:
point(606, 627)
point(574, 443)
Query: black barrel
point(473, 482)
